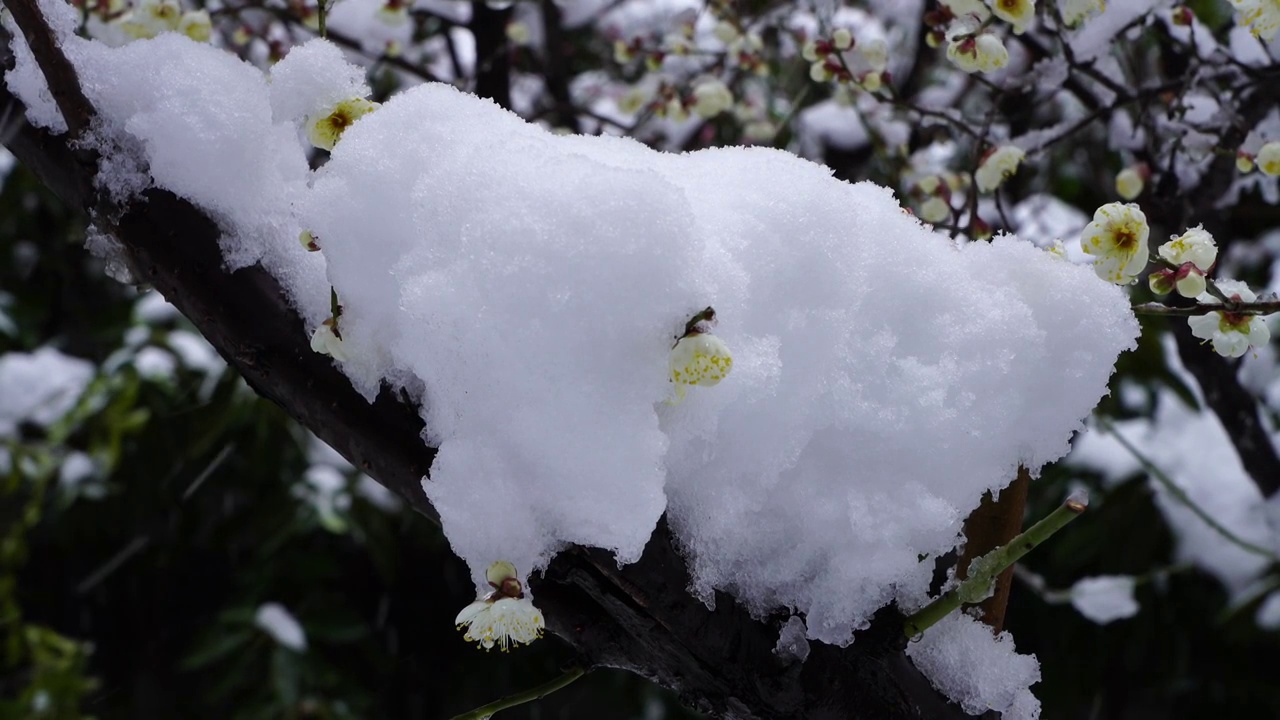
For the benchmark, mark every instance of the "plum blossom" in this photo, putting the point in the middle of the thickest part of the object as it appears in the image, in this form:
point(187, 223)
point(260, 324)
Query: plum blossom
point(326, 127)
point(1015, 12)
point(975, 8)
point(1232, 333)
point(1262, 17)
point(999, 164)
point(1129, 182)
point(196, 25)
point(152, 17)
point(1195, 246)
point(700, 358)
point(977, 53)
point(504, 616)
point(1268, 157)
point(1075, 12)
point(935, 210)
point(326, 341)
point(1118, 237)
point(711, 97)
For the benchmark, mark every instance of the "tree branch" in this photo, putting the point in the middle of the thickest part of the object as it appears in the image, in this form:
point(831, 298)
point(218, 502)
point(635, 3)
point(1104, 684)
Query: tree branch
point(639, 618)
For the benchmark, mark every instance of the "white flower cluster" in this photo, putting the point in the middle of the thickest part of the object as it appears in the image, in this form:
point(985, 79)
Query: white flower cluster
point(972, 43)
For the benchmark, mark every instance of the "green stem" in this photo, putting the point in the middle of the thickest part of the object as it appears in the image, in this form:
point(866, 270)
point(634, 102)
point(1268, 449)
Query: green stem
point(320, 17)
point(535, 693)
point(983, 571)
point(1181, 495)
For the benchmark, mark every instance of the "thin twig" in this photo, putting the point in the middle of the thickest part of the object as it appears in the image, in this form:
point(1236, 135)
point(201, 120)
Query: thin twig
point(535, 693)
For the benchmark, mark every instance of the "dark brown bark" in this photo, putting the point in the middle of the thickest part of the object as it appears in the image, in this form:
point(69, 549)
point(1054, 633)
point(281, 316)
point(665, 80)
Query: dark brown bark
point(993, 525)
point(639, 618)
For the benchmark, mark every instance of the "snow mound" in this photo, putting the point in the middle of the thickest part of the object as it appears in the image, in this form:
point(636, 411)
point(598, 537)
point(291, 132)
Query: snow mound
point(976, 669)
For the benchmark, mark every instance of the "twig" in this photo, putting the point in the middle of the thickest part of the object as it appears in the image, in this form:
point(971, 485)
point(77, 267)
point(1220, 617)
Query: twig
point(1181, 495)
point(535, 693)
point(984, 570)
point(1265, 307)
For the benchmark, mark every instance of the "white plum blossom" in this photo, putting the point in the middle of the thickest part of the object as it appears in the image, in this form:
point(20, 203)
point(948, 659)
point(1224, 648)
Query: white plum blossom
point(876, 54)
point(326, 127)
point(505, 616)
point(1075, 12)
point(976, 8)
point(1195, 246)
point(1129, 183)
point(1105, 598)
point(997, 165)
point(1244, 162)
point(1262, 17)
point(152, 17)
point(711, 97)
point(935, 210)
point(308, 241)
point(1015, 12)
point(1268, 157)
point(1232, 333)
point(327, 342)
point(196, 25)
point(1193, 253)
point(1118, 238)
point(981, 53)
point(501, 622)
point(700, 358)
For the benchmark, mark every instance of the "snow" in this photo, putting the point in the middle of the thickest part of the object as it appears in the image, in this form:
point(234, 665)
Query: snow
point(39, 387)
point(273, 619)
point(1268, 615)
point(792, 643)
point(1194, 450)
point(527, 289)
point(1105, 598)
point(978, 670)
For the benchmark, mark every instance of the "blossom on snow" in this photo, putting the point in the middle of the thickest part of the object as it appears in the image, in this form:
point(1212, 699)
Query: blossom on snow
point(700, 358)
point(326, 127)
point(711, 97)
point(327, 341)
point(1074, 12)
point(308, 240)
point(1015, 12)
point(1232, 333)
point(504, 616)
point(1118, 238)
point(998, 165)
point(1130, 181)
point(977, 53)
point(1268, 157)
point(1262, 17)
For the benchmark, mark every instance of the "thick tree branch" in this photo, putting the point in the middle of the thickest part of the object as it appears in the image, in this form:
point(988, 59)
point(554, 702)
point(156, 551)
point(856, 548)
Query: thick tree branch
point(640, 617)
